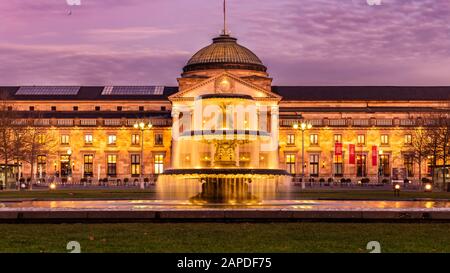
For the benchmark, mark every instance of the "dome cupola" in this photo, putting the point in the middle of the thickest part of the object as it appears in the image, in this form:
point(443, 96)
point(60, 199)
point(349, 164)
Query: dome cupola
point(224, 53)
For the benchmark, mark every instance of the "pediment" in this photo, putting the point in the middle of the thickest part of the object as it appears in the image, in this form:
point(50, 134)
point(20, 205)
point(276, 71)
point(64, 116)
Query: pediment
point(224, 83)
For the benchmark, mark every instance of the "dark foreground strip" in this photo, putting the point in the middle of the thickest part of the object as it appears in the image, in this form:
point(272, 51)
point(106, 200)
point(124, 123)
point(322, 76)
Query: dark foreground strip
point(235, 262)
point(221, 216)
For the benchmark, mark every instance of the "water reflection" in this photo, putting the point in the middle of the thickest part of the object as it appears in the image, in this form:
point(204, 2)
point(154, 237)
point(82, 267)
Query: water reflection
point(187, 205)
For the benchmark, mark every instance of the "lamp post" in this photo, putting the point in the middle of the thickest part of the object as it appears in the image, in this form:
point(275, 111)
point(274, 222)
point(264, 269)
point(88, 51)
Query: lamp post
point(303, 127)
point(69, 171)
point(380, 165)
point(142, 127)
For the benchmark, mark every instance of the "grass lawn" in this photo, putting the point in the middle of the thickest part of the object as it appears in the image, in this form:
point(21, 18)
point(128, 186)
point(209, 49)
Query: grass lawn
point(79, 194)
point(367, 194)
point(223, 237)
point(150, 194)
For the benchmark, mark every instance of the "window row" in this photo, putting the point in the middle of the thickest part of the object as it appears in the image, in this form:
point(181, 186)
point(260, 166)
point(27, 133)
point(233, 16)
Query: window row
point(97, 108)
point(360, 139)
point(66, 167)
point(384, 168)
point(112, 139)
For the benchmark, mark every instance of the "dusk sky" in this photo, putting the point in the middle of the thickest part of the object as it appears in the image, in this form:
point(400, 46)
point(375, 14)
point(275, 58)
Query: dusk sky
point(302, 42)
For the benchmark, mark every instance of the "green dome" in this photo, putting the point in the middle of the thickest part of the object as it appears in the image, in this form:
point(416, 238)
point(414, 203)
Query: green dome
point(224, 53)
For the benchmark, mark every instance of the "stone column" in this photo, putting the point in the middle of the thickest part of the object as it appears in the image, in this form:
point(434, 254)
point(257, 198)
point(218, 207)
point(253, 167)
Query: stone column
point(254, 163)
point(237, 155)
point(175, 136)
point(272, 148)
point(212, 148)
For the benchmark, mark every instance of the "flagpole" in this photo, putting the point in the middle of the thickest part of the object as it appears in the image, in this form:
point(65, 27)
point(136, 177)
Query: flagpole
point(224, 17)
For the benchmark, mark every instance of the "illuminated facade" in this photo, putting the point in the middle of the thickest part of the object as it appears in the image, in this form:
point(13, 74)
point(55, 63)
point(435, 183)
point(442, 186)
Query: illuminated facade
point(97, 138)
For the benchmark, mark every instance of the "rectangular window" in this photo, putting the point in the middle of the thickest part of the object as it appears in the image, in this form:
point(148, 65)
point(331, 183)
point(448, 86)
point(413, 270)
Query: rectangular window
point(290, 139)
point(88, 139)
point(112, 165)
point(384, 166)
point(314, 165)
point(159, 139)
point(384, 139)
point(135, 165)
point(338, 166)
point(112, 140)
point(290, 163)
point(75, 108)
point(65, 165)
point(65, 139)
point(88, 165)
point(119, 108)
point(53, 108)
point(41, 139)
point(409, 165)
point(338, 138)
point(159, 164)
point(135, 139)
point(41, 166)
point(361, 165)
point(314, 139)
point(97, 108)
point(361, 139)
point(408, 139)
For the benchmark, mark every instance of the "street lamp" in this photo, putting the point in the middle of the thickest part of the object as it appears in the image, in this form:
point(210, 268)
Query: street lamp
point(380, 166)
point(303, 127)
point(142, 127)
point(69, 153)
point(397, 188)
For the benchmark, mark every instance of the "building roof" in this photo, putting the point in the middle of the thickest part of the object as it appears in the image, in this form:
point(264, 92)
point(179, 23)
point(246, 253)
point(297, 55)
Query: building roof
point(364, 93)
point(289, 93)
point(87, 93)
point(224, 53)
point(286, 111)
point(94, 114)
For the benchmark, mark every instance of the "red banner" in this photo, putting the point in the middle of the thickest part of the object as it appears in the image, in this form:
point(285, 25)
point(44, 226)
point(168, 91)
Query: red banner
point(338, 149)
point(374, 156)
point(351, 151)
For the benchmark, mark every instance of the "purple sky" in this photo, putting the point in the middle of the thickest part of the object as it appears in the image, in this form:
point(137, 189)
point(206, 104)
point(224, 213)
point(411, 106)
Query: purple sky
point(147, 42)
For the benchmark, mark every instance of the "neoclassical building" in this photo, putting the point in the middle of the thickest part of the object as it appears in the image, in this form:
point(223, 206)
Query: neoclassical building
point(371, 126)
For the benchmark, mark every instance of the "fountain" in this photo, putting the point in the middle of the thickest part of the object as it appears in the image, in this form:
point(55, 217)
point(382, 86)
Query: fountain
point(225, 129)
point(224, 151)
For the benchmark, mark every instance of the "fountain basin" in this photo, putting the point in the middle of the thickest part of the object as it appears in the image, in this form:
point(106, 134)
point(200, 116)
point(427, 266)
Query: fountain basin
point(274, 210)
point(222, 185)
point(220, 172)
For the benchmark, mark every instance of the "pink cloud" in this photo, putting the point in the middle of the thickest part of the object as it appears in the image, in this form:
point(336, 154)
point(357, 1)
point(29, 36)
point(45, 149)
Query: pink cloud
point(402, 42)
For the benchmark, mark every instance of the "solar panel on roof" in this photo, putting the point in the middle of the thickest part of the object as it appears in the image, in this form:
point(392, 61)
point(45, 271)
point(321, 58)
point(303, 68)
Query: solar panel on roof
point(48, 90)
point(133, 90)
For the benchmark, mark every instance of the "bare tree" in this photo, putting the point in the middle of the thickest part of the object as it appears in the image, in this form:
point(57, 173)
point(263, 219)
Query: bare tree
point(21, 139)
point(38, 141)
point(420, 147)
point(444, 145)
point(438, 145)
point(433, 149)
point(19, 135)
point(7, 117)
